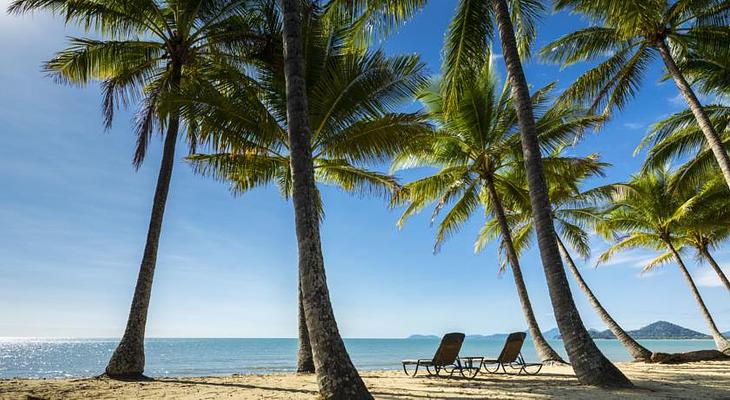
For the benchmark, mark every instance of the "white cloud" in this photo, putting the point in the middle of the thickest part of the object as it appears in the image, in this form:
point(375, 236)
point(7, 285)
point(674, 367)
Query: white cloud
point(633, 125)
point(677, 100)
point(635, 259)
point(654, 272)
point(707, 277)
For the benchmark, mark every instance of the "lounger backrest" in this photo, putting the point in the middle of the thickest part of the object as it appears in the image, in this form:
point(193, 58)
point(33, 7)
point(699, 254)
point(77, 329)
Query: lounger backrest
point(512, 347)
point(448, 349)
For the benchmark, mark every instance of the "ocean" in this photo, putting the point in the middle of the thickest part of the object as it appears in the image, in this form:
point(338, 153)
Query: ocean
point(61, 358)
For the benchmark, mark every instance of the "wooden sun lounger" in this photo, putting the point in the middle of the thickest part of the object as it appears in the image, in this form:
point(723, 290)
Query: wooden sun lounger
point(511, 356)
point(446, 359)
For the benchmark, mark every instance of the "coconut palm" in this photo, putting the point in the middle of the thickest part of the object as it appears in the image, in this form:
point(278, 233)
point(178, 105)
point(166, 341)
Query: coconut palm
point(634, 32)
point(470, 32)
point(337, 377)
point(147, 51)
point(574, 212)
point(476, 147)
point(353, 96)
point(647, 213)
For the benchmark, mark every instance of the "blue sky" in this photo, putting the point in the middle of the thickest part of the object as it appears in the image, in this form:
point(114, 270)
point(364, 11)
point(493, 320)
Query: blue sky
point(74, 213)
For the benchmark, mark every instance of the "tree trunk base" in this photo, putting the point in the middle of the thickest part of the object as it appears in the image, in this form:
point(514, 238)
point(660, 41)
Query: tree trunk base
point(126, 377)
point(690, 356)
point(555, 363)
point(306, 370)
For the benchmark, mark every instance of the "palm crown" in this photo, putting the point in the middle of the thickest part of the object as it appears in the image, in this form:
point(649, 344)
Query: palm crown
point(150, 49)
point(476, 141)
point(352, 98)
point(630, 32)
point(574, 210)
point(645, 212)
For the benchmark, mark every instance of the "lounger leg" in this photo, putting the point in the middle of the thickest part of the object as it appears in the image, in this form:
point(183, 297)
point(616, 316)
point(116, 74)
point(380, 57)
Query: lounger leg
point(414, 372)
point(539, 367)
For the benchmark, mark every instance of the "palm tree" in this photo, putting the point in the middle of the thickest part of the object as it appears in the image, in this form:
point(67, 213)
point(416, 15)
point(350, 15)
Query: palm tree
point(470, 32)
point(647, 212)
point(353, 94)
point(337, 377)
point(148, 51)
point(679, 137)
point(574, 211)
point(475, 149)
point(634, 31)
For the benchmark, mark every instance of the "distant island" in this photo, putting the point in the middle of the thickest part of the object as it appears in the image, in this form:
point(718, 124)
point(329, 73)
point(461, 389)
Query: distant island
point(656, 330)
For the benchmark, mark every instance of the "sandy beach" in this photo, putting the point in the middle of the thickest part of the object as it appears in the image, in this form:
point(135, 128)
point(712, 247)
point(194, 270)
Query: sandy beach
point(707, 380)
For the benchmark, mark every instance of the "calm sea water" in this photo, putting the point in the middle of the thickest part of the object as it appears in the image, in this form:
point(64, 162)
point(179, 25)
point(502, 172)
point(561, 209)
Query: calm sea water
point(55, 358)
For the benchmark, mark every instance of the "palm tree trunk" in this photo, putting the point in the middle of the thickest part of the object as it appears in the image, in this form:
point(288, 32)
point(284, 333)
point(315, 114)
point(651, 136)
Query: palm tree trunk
point(722, 344)
point(305, 362)
point(707, 256)
point(546, 353)
point(637, 351)
point(590, 365)
point(128, 358)
point(713, 139)
point(336, 375)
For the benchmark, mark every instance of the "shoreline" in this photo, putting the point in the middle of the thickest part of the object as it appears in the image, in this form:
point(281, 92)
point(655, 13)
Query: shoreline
point(707, 380)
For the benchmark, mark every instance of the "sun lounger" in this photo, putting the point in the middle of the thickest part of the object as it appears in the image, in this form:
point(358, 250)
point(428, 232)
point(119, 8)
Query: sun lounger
point(511, 356)
point(446, 359)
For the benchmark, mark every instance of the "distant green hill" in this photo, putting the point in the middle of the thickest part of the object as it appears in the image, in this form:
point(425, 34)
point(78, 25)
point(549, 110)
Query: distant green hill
point(656, 330)
point(429, 337)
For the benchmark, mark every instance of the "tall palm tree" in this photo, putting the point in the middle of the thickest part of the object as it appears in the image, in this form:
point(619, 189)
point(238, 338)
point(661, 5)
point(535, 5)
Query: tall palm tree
point(470, 32)
point(475, 148)
point(646, 213)
point(148, 50)
point(574, 211)
point(337, 378)
point(634, 31)
point(353, 99)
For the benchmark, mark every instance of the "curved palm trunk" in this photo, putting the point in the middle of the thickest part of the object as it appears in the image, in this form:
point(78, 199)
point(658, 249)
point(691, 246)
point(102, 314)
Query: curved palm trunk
point(722, 344)
point(336, 375)
point(305, 361)
point(590, 365)
point(637, 351)
point(713, 139)
point(128, 358)
point(705, 253)
point(546, 353)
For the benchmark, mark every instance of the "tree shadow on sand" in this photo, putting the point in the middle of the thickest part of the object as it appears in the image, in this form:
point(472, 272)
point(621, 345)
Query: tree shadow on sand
point(238, 385)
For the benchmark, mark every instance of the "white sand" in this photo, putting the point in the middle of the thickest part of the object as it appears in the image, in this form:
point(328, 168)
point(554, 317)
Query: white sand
point(706, 380)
